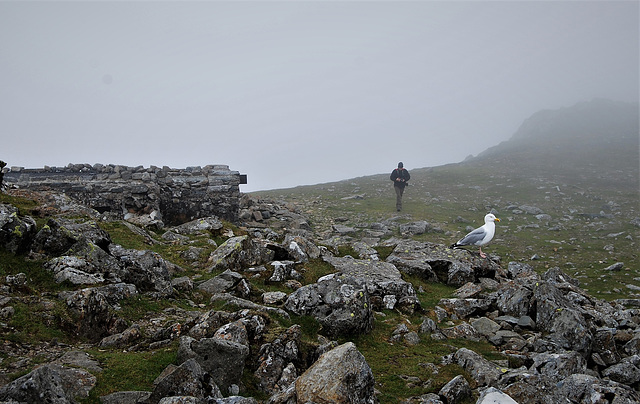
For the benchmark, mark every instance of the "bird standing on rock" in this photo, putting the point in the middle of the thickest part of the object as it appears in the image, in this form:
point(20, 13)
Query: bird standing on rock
point(480, 236)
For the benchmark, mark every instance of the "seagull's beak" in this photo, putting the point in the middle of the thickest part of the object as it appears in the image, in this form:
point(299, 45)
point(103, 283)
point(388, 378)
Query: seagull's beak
point(497, 220)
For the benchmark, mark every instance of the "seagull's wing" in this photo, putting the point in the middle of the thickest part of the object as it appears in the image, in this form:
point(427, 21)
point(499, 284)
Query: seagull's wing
point(473, 238)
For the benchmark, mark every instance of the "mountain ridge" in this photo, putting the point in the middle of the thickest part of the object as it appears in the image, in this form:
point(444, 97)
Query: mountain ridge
point(585, 142)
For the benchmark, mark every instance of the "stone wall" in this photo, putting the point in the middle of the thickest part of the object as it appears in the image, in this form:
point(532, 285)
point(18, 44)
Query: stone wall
point(173, 196)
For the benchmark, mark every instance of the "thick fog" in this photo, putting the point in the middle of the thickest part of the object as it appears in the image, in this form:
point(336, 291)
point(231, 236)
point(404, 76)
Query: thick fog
point(293, 93)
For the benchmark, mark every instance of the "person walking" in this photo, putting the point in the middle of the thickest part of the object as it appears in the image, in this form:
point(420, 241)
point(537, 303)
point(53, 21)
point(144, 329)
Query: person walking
point(2, 166)
point(399, 176)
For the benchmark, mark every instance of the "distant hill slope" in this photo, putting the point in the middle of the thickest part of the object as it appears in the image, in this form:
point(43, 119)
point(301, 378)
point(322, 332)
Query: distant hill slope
point(586, 142)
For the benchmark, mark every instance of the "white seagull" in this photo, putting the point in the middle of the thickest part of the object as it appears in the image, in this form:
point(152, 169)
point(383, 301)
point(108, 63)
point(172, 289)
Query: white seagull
point(480, 236)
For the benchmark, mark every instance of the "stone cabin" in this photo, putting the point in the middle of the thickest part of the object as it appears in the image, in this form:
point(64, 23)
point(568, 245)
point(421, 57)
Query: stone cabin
point(174, 196)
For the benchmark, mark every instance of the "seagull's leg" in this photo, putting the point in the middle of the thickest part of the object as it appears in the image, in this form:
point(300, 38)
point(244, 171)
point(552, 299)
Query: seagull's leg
point(483, 255)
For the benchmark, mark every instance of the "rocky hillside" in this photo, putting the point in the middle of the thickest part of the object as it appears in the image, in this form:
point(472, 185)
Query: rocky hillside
point(565, 187)
point(325, 294)
point(585, 143)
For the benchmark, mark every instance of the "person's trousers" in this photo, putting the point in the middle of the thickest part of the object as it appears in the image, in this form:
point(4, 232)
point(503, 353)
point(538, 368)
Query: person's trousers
point(399, 192)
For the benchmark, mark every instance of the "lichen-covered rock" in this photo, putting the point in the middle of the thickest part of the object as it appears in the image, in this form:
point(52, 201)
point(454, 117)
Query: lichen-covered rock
point(146, 269)
point(240, 252)
point(456, 390)
point(50, 383)
point(16, 232)
point(381, 279)
point(188, 379)
point(223, 359)
point(578, 386)
point(209, 225)
point(59, 235)
point(340, 303)
point(435, 262)
point(558, 366)
point(225, 282)
point(299, 248)
point(340, 376)
point(481, 370)
point(276, 356)
point(94, 309)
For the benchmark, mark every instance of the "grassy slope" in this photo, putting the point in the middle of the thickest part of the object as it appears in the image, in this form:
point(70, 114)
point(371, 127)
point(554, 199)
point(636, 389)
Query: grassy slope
point(573, 240)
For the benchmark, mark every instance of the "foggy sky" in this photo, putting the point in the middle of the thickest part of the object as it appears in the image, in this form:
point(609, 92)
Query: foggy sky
point(293, 93)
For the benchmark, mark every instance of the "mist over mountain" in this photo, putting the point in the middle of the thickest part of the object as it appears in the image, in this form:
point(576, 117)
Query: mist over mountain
point(590, 140)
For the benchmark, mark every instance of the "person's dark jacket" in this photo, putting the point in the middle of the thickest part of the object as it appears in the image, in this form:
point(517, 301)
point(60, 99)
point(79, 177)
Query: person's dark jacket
point(400, 176)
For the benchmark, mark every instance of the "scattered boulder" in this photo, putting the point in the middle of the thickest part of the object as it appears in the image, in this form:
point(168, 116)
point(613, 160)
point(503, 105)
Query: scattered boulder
point(380, 279)
point(240, 252)
point(340, 303)
point(16, 233)
point(341, 375)
point(437, 263)
point(50, 383)
point(456, 390)
point(187, 379)
point(208, 225)
point(221, 358)
point(276, 361)
point(94, 309)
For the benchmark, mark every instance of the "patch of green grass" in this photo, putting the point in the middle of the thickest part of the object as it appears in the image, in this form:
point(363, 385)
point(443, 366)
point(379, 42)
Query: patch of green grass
point(315, 269)
point(384, 252)
point(401, 370)
point(31, 324)
point(136, 307)
point(25, 205)
point(128, 371)
point(429, 293)
point(38, 279)
point(122, 235)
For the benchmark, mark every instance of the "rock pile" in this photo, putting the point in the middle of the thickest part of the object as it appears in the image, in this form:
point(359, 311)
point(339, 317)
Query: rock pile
point(560, 344)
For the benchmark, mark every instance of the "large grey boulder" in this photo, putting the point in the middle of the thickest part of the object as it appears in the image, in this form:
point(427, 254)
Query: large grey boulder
point(16, 232)
point(456, 390)
point(122, 339)
point(283, 270)
point(380, 279)
point(626, 372)
point(464, 308)
point(492, 395)
point(188, 379)
point(60, 234)
point(223, 359)
point(557, 315)
point(339, 376)
point(300, 248)
point(239, 302)
point(228, 281)
point(485, 373)
point(513, 299)
point(340, 303)
point(558, 366)
point(210, 225)
point(603, 349)
point(75, 270)
point(240, 252)
point(436, 262)
point(208, 323)
point(580, 388)
point(275, 357)
point(525, 386)
point(146, 269)
point(93, 308)
point(50, 383)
